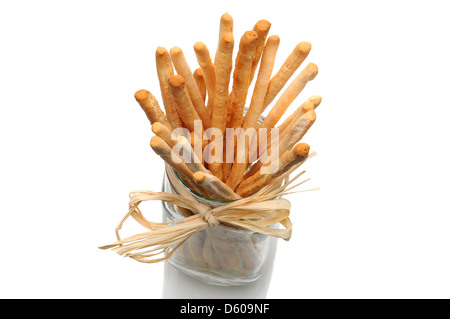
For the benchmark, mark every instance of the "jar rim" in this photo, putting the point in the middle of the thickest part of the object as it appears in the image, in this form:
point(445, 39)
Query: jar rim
point(200, 196)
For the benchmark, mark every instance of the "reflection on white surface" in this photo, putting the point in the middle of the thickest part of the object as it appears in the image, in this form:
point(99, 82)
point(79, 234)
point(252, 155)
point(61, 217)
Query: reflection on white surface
point(178, 285)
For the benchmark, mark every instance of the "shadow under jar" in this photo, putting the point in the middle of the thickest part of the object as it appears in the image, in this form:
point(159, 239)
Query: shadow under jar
point(223, 255)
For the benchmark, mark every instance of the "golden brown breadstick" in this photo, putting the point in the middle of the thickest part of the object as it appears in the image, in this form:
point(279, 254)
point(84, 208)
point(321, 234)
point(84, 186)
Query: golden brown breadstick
point(163, 132)
point(289, 95)
point(209, 74)
point(262, 27)
point(292, 157)
point(241, 82)
point(164, 69)
point(223, 72)
point(262, 82)
point(214, 186)
point(182, 67)
point(302, 109)
point(165, 152)
point(190, 157)
point(161, 148)
point(293, 61)
point(241, 77)
point(292, 134)
point(310, 104)
point(254, 111)
point(200, 81)
point(219, 115)
point(296, 130)
point(151, 107)
point(226, 26)
point(197, 146)
point(184, 105)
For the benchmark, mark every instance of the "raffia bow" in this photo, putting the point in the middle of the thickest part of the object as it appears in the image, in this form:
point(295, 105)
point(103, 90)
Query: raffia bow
point(256, 213)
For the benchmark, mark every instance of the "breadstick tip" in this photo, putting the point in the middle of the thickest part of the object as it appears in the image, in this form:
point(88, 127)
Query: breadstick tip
point(308, 106)
point(155, 142)
point(312, 70)
point(310, 115)
point(161, 51)
point(303, 47)
point(199, 177)
point(316, 100)
point(250, 36)
point(176, 51)
point(141, 95)
point(198, 72)
point(176, 80)
point(301, 149)
point(199, 46)
point(262, 25)
point(273, 38)
point(226, 17)
point(157, 127)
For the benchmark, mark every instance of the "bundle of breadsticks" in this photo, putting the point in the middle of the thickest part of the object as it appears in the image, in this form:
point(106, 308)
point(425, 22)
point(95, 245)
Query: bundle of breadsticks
point(213, 136)
point(203, 96)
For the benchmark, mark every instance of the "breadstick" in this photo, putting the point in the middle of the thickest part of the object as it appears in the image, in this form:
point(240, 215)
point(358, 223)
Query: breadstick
point(182, 67)
point(197, 146)
point(161, 148)
point(262, 27)
point(192, 161)
point(312, 102)
point(254, 111)
point(262, 82)
point(226, 26)
point(164, 69)
point(241, 77)
point(151, 107)
point(209, 74)
point(208, 253)
point(293, 61)
point(292, 134)
point(296, 130)
point(292, 157)
point(250, 256)
point(163, 132)
point(289, 95)
point(214, 185)
point(165, 152)
point(294, 117)
point(184, 105)
point(302, 109)
point(223, 71)
point(241, 82)
point(196, 249)
point(227, 255)
point(200, 81)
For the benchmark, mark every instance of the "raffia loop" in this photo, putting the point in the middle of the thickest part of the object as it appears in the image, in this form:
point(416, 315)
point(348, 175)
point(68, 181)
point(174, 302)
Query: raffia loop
point(254, 213)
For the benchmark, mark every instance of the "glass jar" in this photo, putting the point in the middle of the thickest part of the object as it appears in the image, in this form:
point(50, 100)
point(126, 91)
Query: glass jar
point(221, 255)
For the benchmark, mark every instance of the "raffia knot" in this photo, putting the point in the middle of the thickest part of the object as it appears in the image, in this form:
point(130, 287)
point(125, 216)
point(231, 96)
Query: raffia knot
point(206, 213)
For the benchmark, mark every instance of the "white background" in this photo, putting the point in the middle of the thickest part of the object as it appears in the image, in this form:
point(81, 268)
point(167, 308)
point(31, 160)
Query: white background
point(74, 143)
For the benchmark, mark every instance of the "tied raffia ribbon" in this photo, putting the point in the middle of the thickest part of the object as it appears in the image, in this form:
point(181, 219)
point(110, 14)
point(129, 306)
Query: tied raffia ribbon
point(255, 213)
